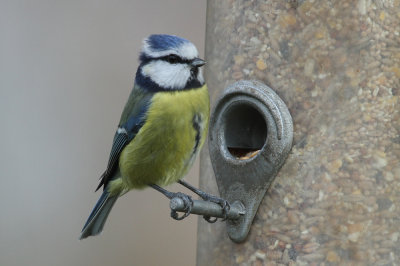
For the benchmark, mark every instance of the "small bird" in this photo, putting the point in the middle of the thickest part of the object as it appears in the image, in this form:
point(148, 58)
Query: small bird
point(162, 128)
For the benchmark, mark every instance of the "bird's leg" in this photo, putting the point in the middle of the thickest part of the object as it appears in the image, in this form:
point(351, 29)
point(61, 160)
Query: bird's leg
point(186, 199)
point(207, 197)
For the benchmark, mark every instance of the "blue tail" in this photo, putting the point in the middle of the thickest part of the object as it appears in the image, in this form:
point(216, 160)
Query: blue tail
point(97, 218)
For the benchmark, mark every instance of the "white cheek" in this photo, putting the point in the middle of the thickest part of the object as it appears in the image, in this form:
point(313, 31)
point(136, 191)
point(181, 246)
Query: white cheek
point(166, 75)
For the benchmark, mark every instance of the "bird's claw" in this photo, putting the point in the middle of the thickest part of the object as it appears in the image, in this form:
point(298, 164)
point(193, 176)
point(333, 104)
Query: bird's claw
point(224, 205)
point(210, 198)
point(187, 200)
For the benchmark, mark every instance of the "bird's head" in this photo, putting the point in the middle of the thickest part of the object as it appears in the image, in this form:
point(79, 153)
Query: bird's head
point(169, 63)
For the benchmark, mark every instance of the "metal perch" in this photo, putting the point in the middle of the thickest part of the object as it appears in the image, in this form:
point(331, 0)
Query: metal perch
point(206, 208)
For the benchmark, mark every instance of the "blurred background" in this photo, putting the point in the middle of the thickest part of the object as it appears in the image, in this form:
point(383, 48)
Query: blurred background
point(66, 70)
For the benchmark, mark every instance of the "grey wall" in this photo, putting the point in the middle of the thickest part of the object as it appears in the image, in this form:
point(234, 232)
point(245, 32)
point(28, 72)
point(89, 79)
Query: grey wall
point(66, 69)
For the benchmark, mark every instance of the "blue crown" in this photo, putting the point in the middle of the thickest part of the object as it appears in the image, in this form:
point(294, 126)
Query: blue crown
point(162, 42)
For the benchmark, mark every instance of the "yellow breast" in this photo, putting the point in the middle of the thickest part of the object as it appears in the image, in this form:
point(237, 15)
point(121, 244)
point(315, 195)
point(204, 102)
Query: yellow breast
point(167, 144)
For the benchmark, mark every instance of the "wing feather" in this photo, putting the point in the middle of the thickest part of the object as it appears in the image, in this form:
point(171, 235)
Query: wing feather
point(132, 119)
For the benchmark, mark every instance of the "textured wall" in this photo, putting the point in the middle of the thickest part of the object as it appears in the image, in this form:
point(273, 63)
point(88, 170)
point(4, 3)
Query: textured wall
point(336, 64)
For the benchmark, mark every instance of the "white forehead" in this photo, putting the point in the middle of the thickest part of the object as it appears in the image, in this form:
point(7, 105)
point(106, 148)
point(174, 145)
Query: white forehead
point(185, 50)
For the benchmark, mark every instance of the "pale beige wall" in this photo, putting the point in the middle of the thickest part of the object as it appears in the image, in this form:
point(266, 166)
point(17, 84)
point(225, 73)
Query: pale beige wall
point(66, 69)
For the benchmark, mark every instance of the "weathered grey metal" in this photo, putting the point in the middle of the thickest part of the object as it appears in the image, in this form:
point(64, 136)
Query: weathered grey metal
point(211, 209)
point(235, 123)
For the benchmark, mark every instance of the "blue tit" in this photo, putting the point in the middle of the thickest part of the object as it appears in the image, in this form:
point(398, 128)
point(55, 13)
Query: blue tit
point(162, 127)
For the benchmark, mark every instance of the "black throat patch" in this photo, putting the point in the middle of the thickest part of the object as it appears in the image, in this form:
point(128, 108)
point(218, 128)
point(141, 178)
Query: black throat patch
point(196, 122)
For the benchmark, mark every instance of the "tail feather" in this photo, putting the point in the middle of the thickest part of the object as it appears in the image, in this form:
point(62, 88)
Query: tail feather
point(97, 218)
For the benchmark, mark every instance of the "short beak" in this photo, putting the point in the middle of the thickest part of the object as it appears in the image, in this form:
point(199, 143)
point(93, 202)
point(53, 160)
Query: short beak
point(197, 62)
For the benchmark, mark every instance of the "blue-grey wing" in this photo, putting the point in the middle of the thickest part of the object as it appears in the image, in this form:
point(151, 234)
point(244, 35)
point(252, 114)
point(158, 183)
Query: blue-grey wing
point(132, 119)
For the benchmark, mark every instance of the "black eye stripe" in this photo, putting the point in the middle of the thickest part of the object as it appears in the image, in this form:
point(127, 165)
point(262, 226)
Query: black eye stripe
point(174, 59)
